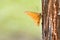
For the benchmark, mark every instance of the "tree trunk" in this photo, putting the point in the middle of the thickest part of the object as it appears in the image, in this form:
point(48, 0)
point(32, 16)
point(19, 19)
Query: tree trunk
point(49, 19)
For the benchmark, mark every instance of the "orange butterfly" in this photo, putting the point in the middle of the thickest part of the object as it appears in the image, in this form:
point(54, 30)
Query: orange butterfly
point(35, 16)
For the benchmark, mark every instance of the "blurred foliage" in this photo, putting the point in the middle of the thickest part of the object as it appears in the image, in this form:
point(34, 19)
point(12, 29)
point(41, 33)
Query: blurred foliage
point(13, 18)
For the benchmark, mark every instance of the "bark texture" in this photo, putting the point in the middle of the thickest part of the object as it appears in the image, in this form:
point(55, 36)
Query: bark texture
point(49, 19)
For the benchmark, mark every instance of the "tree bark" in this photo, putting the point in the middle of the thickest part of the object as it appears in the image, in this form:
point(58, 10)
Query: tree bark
point(49, 19)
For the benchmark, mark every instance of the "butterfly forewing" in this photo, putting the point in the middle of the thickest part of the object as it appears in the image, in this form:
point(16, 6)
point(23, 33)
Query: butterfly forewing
point(35, 16)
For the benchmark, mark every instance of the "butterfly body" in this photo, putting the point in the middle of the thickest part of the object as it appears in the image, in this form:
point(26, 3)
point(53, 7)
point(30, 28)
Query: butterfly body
point(35, 16)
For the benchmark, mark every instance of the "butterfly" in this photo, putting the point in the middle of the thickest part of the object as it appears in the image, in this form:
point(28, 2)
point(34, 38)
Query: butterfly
point(35, 16)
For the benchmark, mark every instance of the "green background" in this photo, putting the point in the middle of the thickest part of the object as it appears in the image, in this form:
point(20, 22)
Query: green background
point(13, 18)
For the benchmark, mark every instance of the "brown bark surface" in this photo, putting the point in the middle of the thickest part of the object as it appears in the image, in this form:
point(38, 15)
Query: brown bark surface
point(49, 19)
point(58, 26)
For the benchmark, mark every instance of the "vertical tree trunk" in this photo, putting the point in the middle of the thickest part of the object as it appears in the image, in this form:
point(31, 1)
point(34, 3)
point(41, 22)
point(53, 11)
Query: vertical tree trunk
point(49, 19)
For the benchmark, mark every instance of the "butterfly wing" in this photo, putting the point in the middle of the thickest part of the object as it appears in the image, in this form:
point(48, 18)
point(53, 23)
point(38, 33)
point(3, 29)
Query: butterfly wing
point(35, 16)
